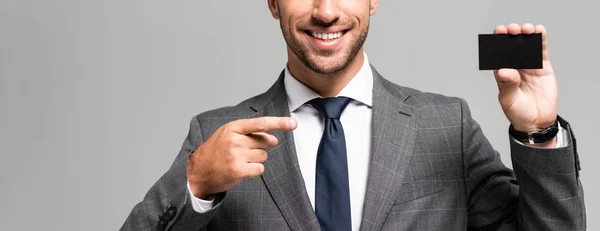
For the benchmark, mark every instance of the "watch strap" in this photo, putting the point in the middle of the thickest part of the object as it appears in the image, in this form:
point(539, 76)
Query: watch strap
point(542, 136)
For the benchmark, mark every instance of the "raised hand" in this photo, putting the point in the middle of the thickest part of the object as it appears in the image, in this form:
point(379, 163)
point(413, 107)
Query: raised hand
point(233, 153)
point(529, 98)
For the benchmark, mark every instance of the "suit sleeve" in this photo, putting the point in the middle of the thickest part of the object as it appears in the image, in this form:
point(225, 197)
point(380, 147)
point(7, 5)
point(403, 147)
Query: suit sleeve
point(542, 193)
point(168, 205)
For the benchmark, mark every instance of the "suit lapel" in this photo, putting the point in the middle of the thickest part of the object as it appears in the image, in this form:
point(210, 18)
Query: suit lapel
point(393, 135)
point(282, 175)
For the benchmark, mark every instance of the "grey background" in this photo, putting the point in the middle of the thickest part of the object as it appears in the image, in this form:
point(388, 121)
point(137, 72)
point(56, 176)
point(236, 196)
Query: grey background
point(96, 96)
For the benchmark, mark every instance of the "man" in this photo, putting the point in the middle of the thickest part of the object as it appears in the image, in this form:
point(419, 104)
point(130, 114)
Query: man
point(333, 145)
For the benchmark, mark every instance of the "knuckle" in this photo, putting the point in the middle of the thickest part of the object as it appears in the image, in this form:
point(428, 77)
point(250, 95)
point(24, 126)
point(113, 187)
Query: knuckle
point(229, 127)
point(235, 171)
point(260, 125)
point(228, 143)
point(234, 141)
point(226, 127)
point(230, 157)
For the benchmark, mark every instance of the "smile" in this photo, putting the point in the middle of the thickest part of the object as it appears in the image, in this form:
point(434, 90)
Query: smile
point(325, 36)
point(326, 41)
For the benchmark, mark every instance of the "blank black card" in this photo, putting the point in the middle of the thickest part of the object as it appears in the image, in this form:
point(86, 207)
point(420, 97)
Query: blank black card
point(523, 51)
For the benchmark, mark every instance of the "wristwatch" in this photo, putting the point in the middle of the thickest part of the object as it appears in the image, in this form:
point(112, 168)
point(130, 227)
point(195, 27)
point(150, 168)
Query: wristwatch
point(535, 137)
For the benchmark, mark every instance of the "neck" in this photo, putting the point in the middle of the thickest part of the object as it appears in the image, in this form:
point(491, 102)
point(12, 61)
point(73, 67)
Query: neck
point(326, 85)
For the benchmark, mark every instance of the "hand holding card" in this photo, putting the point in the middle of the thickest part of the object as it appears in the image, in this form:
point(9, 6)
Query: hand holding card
point(529, 97)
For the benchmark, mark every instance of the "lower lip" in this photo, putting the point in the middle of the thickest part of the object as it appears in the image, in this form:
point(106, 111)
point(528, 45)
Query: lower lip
point(331, 44)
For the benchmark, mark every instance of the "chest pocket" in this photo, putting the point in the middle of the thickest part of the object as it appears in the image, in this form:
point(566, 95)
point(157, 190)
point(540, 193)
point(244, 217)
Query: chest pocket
point(421, 188)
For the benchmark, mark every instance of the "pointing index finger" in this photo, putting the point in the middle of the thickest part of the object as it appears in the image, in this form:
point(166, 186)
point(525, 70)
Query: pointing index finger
point(263, 124)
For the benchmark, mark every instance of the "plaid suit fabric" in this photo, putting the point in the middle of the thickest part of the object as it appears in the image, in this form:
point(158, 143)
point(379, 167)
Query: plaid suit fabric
point(431, 168)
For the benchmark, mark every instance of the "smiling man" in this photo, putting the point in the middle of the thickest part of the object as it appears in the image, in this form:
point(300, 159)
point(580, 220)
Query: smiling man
point(333, 145)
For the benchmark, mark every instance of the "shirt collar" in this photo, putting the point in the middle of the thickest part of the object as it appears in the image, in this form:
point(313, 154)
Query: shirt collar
point(360, 88)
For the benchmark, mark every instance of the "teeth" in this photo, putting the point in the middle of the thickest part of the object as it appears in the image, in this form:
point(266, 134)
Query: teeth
point(327, 36)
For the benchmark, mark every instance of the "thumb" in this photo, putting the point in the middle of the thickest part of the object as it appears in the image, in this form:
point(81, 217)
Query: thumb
point(508, 81)
point(507, 78)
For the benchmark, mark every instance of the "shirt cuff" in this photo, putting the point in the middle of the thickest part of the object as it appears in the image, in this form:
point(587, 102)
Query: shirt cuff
point(561, 138)
point(199, 205)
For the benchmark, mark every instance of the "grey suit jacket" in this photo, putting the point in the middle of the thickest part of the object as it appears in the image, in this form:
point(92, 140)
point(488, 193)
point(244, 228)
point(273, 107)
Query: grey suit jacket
point(431, 168)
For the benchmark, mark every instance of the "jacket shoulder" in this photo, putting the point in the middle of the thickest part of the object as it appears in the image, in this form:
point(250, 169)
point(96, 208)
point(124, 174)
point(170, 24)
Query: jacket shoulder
point(434, 109)
point(243, 109)
point(422, 99)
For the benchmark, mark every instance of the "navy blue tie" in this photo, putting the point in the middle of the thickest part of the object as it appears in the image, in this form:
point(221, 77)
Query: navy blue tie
point(332, 193)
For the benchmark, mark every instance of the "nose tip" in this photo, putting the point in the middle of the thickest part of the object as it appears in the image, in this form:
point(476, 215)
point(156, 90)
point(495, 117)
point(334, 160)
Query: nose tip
point(326, 11)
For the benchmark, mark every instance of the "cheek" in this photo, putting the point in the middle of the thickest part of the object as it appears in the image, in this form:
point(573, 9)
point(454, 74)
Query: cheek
point(289, 22)
point(360, 10)
point(294, 9)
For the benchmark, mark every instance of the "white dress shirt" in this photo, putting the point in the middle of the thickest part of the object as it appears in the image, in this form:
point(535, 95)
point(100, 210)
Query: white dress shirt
point(356, 120)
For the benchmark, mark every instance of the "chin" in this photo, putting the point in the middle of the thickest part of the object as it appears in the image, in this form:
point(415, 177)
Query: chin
point(329, 64)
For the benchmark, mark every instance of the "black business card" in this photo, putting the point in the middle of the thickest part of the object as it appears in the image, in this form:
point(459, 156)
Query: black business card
point(523, 51)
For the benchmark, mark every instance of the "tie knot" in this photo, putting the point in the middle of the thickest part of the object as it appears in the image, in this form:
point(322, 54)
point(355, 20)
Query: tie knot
point(331, 107)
